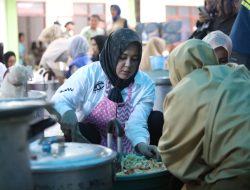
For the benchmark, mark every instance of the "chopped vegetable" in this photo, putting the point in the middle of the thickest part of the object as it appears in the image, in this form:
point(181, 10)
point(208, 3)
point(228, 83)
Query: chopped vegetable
point(136, 164)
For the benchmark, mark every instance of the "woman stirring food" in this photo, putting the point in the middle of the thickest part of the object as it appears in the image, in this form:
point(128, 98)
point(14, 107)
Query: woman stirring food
point(110, 88)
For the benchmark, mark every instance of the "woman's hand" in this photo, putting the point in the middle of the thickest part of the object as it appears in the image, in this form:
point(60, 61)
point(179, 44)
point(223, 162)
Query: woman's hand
point(149, 151)
point(69, 119)
point(70, 128)
point(68, 123)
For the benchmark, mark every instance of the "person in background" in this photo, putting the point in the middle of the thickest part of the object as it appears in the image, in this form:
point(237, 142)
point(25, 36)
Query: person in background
point(22, 49)
point(117, 21)
point(206, 119)
point(78, 50)
point(55, 58)
point(57, 23)
point(37, 49)
point(92, 30)
point(154, 47)
point(57, 46)
point(110, 89)
point(216, 15)
point(50, 34)
point(97, 43)
point(227, 11)
point(69, 27)
point(221, 43)
point(240, 36)
point(9, 59)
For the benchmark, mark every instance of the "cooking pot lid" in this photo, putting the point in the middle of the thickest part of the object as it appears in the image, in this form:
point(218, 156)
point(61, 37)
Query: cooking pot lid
point(32, 96)
point(20, 107)
point(69, 156)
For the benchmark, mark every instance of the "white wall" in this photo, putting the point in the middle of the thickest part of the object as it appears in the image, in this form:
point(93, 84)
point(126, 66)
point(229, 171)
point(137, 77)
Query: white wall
point(61, 10)
point(64, 9)
point(151, 10)
point(3, 37)
point(154, 11)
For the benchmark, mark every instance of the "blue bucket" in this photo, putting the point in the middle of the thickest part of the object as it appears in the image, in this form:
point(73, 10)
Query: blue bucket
point(157, 62)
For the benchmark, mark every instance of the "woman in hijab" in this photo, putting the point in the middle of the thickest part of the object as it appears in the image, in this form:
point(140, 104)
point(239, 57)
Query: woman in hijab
point(110, 88)
point(78, 50)
point(117, 21)
point(221, 43)
point(206, 117)
point(97, 43)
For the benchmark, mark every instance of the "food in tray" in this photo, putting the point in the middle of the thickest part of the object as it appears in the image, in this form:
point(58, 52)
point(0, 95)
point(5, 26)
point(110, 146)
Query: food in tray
point(137, 164)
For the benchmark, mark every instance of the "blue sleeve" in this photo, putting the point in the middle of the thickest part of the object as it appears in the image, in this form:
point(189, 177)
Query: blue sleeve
point(240, 33)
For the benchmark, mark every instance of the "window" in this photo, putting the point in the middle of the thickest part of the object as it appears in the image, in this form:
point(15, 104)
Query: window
point(31, 20)
point(188, 15)
point(30, 9)
point(83, 10)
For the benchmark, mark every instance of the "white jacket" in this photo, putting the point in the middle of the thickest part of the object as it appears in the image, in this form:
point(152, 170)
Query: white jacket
point(81, 93)
point(2, 71)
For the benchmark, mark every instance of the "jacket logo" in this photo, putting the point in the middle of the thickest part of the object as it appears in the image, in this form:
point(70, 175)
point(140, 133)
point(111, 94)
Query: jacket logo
point(98, 86)
point(67, 89)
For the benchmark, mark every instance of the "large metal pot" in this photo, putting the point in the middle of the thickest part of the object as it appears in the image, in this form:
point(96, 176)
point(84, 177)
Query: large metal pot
point(74, 166)
point(162, 87)
point(44, 80)
point(39, 114)
point(49, 87)
point(15, 117)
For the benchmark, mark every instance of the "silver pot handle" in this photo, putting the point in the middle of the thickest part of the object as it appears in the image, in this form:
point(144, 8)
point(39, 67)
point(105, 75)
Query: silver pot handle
point(114, 126)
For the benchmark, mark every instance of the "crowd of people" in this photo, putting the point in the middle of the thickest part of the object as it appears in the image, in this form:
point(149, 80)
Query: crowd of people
point(201, 135)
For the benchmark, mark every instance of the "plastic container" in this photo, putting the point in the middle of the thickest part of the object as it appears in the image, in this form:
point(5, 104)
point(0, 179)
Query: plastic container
point(157, 62)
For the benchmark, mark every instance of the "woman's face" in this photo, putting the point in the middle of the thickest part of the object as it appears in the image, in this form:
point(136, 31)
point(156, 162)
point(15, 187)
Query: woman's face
point(128, 62)
point(113, 11)
point(94, 46)
point(221, 54)
point(11, 61)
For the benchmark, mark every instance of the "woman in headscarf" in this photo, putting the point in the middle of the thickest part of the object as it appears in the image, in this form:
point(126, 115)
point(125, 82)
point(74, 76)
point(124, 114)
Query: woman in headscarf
point(154, 47)
point(221, 43)
point(110, 88)
point(78, 50)
point(97, 43)
point(50, 34)
point(117, 21)
point(206, 119)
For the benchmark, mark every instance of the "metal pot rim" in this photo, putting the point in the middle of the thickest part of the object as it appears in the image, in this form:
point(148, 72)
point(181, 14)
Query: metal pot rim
point(96, 155)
